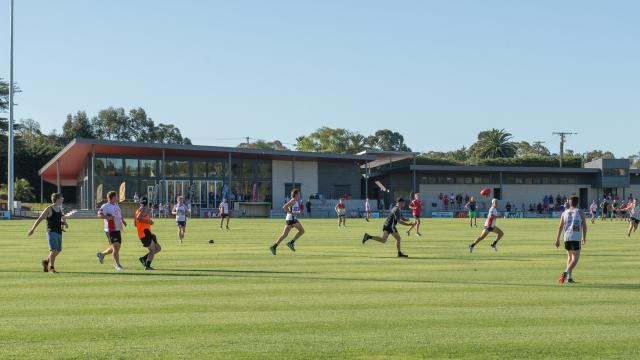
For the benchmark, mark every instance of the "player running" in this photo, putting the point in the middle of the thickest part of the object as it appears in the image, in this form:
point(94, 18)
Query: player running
point(224, 212)
point(55, 222)
point(634, 215)
point(389, 228)
point(574, 227)
point(180, 211)
point(416, 210)
point(341, 210)
point(113, 223)
point(291, 209)
point(143, 223)
point(472, 206)
point(489, 227)
point(593, 209)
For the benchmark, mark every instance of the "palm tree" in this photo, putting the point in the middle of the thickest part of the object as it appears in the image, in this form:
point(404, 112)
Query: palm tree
point(494, 144)
point(23, 191)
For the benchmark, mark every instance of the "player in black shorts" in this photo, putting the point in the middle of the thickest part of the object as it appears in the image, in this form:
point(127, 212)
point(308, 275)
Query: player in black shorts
point(389, 228)
point(291, 209)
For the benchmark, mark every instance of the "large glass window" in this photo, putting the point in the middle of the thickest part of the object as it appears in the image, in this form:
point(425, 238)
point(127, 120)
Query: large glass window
point(615, 172)
point(131, 167)
point(176, 168)
point(148, 167)
point(199, 168)
point(263, 170)
point(113, 167)
point(217, 169)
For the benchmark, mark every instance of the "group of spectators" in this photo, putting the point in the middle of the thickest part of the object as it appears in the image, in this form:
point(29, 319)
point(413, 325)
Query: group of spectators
point(454, 202)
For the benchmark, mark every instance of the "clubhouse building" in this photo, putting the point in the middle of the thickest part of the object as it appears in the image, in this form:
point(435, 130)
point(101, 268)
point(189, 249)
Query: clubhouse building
point(258, 181)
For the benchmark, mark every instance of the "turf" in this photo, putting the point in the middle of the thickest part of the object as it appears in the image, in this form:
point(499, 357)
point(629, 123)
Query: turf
point(333, 298)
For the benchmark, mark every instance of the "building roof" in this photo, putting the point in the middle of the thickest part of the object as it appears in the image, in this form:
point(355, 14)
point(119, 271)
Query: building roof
point(72, 157)
point(386, 157)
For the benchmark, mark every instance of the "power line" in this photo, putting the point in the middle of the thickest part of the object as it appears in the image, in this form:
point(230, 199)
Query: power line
point(563, 138)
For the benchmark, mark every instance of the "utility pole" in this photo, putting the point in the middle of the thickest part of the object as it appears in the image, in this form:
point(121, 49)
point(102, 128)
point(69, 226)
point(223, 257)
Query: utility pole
point(10, 178)
point(247, 140)
point(563, 139)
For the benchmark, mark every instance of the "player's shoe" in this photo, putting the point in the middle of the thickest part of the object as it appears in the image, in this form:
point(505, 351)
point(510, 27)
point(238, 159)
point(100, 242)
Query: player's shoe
point(471, 249)
point(45, 265)
point(52, 271)
point(228, 228)
point(291, 246)
point(119, 267)
point(571, 281)
point(418, 234)
point(100, 257)
point(148, 268)
point(143, 261)
point(365, 238)
point(494, 246)
point(367, 219)
point(408, 233)
point(402, 255)
point(272, 248)
point(563, 278)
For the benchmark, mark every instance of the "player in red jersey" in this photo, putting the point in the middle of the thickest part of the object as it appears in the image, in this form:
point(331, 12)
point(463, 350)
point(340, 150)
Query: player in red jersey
point(416, 209)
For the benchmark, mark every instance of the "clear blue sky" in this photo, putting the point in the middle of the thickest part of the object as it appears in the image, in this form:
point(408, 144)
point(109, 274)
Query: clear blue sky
point(437, 71)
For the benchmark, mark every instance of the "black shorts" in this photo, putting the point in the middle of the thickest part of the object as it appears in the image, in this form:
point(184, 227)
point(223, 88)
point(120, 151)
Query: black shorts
point(224, 216)
point(635, 220)
point(148, 238)
point(114, 237)
point(291, 222)
point(182, 223)
point(342, 216)
point(390, 229)
point(572, 245)
point(490, 229)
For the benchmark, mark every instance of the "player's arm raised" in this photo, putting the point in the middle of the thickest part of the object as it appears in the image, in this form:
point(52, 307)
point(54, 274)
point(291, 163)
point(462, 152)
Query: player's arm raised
point(43, 215)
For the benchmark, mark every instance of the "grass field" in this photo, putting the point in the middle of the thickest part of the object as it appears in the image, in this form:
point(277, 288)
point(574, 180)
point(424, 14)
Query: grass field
point(334, 298)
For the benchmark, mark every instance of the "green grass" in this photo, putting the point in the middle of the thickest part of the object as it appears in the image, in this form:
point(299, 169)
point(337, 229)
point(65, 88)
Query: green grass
point(334, 298)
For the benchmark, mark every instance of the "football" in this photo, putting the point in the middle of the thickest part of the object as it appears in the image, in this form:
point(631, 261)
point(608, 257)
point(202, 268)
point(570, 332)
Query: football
point(486, 192)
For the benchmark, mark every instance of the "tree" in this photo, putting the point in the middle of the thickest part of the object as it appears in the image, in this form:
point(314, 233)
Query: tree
point(326, 139)
point(167, 134)
point(264, 145)
point(387, 140)
point(22, 189)
point(142, 127)
point(597, 155)
point(28, 130)
point(493, 144)
point(524, 148)
point(77, 126)
point(112, 124)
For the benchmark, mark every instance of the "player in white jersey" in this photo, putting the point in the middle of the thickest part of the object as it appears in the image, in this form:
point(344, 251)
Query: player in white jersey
point(341, 211)
point(113, 225)
point(633, 207)
point(489, 227)
point(180, 211)
point(291, 209)
point(367, 210)
point(593, 209)
point(573, 225)
point(224, 213)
